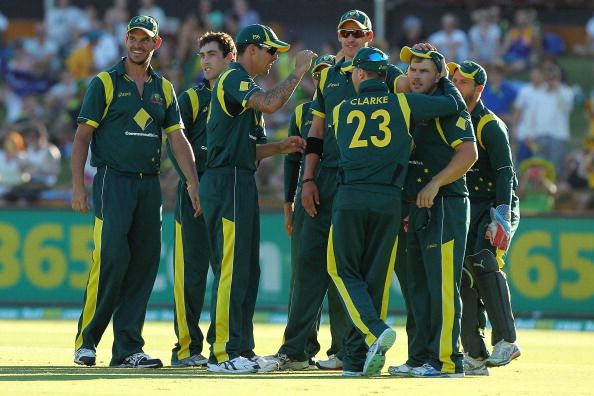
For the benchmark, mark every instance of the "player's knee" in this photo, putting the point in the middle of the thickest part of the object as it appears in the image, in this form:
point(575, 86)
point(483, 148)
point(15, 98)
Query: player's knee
point(483, 262)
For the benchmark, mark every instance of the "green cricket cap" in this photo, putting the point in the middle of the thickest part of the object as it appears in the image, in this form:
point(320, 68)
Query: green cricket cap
point(407, 53)
point(469, 69)
point(323, 60)
point(261, 34)
point(359, 17)
point(368, 58)
point(146, 23)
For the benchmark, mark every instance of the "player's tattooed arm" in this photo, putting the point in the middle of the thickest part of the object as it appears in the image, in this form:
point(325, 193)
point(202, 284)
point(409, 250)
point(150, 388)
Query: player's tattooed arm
point(271, 101)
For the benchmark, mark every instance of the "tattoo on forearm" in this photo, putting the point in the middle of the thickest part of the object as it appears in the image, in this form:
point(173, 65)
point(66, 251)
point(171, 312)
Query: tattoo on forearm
point(278, 95)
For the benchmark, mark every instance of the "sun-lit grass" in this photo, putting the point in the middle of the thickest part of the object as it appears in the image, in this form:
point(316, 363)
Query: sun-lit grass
point(36, 359)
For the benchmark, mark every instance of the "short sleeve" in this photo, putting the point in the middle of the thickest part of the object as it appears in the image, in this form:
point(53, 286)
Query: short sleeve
point(94, 103)
point(456, 130)
point(240, 87)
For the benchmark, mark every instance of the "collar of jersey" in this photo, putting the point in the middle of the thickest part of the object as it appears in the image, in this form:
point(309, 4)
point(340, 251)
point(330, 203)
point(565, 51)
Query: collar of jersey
point(121, 69)
point(478, 109)
point(373, 86)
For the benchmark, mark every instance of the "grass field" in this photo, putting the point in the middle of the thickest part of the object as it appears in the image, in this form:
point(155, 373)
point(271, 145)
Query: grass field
point(36, 359)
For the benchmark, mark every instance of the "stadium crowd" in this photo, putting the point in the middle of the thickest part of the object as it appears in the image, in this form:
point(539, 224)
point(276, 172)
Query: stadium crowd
point(44, 77)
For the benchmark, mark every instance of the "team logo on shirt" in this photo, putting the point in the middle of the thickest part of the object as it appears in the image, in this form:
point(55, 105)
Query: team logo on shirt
point(156, 99)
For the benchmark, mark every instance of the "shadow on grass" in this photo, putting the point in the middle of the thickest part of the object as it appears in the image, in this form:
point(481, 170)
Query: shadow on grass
point(69, 373)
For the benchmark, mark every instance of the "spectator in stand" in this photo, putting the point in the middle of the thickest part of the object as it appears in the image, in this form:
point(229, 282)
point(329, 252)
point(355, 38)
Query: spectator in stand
point(3, 26)
point(526, 112)
point(148, 7)
point(499, 94)
point(43, 157)
point(62, 21)
point(485, 38)
point(450, 41)
point(589, 109)
point(579, 186)
point(412, 33)
point(536, 187)
point(522, 43)
point(116, 18)
point(587, 48)
point(12, 160)
point(43, 50)
point(81, 62)
point(245, 15)
point(211, 20)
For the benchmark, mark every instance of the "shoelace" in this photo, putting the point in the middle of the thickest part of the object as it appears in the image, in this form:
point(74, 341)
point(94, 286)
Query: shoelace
point(136, 358)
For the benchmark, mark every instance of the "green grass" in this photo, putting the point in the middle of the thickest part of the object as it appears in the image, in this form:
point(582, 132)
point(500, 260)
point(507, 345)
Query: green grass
point(36, 359)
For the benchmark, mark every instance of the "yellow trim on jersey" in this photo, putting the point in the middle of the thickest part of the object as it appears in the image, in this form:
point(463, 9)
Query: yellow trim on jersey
point(405, 109)
point(342, 290)
point(318, 113)
point(92, 285)
point(395, 88)
point(194, 102)
point(299, 116)
point(173, 128)
point(183, 331)
point(455, 143)
point(479, 128)
point(168, 92)
point(92, 123)
point(224, 293)
point(323, 77)
point(440, 130)
point(335, 117)
point(107, 91)
point(447, 307)
point(221, 93)
point(389, 275)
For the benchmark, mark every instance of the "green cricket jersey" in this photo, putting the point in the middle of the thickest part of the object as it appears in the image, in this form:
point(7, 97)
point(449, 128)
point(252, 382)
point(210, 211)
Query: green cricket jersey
point(193, 106)
point(435, 141)
point(335, 85)
point(492, 176)
point(233, 130)
point(129, 126)
point(372, 130)
point(298, 126)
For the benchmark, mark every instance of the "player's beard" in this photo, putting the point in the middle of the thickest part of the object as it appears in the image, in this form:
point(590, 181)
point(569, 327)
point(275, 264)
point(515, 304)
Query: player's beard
point(145, 61)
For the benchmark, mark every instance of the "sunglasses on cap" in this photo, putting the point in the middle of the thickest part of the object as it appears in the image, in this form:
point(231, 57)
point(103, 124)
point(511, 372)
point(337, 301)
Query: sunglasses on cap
point(356, 33)
point(269, 49)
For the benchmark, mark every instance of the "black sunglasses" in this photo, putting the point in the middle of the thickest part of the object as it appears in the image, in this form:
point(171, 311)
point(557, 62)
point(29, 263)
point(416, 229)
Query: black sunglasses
point(356, 33)
point(269, 49)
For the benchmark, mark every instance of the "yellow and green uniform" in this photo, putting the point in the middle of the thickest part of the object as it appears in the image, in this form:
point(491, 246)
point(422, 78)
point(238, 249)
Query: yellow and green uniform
point(491, 182)
point(190, 252)
point(372, 131)
point(126, 149)
point(436, 242)
point(311, 277)
point(229, 202)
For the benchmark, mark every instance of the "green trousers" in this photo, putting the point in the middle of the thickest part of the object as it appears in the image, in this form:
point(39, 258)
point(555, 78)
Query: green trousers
point(190, 269)
point(311, 281)
point(229, 201)
point(127, 237)
point(477, 304)
point(312, 346)
point(436, 242)
point(361, 256)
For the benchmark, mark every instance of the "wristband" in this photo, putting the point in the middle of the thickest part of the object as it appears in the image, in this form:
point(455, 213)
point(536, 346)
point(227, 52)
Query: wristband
point(307, 180)
point(314, 146)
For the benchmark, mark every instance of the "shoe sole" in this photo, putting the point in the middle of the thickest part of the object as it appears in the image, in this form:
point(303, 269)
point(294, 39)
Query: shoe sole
point(319, 366)
point(179, 363)
point(400, 374)
point(515, 355)
point(295, 367)
point(82, 362)
point(223, 371)
point(149, 366)
point(375, 363)
point(481, 372)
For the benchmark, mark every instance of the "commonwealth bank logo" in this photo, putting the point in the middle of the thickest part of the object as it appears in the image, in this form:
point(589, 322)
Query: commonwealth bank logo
point(143, 119)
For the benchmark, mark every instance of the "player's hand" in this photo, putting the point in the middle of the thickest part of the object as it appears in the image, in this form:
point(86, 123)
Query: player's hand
point(424, 47)
point(499, 230)
point(288, 211)
point(193, 194)
point(303, 61)
point(80, 199)
point(427, 195)
point(292, 144)
point(310, 197)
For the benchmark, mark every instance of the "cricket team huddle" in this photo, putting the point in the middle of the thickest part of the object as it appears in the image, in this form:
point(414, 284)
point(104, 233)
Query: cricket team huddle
point(385, 173)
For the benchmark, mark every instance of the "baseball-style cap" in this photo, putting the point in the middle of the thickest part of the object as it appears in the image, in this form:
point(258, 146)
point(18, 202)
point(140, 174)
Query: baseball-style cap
point(407, 53)
point(368, 58)
point(260, 34)
point(146, 23)
point(359, 17)
point(471, 70)
point(323, 60)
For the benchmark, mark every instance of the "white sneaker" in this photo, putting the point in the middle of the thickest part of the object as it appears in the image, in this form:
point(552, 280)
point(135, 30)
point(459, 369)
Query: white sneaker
point(474, 367)
point(346, 373)
point(140, 360)
point(286, 363)
point(264, 365)
point(333, 363)
point(376, 355)
point(428, 371)
point(239, 365)
point(196, 360)
point(85, 357)
point(503, 353)
point(404, 370)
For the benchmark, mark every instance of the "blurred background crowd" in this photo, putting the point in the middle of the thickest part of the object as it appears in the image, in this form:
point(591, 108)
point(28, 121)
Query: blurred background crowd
point(539, 57)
